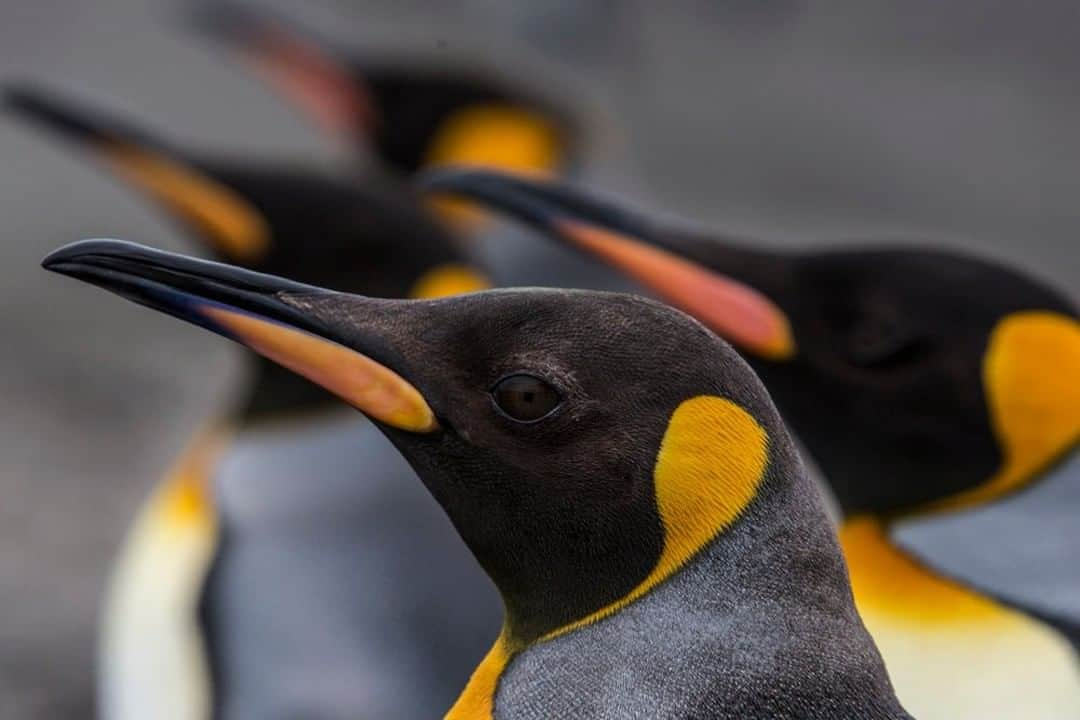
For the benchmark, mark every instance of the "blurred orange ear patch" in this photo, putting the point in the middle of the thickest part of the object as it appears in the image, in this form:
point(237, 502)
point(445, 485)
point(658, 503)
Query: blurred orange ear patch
point(497, 137)
point(1031, 375)
point(733, 310)
point(363, 383)
point(446, 280)
point(184, 499)
point(229, 222)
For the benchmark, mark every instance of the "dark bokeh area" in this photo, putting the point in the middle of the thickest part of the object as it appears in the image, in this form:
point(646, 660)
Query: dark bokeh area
point(948, 123)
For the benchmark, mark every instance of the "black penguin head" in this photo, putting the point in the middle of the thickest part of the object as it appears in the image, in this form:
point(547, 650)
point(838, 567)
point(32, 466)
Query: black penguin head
point(918, 379)
point(413, 115)
point(273, 218)
point(586, 445)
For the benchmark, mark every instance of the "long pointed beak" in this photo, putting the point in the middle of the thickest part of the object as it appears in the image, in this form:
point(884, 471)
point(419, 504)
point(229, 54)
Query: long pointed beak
point(69, 119)
point(299, 65)
point(226, 220)
point(254, 310)
point(627, 242)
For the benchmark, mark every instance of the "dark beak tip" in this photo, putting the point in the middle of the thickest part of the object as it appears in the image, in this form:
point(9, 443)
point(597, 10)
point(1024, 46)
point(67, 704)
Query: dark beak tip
point(19, 96)
point(70, 255)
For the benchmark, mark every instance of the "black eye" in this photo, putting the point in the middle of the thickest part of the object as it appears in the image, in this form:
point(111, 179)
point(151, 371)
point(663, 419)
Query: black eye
point(525, 398)
point(883, 345)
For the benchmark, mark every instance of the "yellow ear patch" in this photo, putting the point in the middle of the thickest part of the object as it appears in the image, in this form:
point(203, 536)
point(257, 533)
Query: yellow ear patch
point(230, 223)
point(711, 462)
point(492, 136)
point(446, 280)
point(372, 388)
point(1031, 372)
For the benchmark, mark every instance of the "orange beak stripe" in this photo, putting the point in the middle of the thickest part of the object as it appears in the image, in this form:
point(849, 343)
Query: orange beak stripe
point(231, 224)
point(733, 310)
point(314, 82)
point(372, 388)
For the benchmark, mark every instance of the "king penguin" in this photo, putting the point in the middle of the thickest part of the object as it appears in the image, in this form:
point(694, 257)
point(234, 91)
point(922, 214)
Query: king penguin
point(923, 383)
point(245, 588)
point(410, 112)
point(616, 468)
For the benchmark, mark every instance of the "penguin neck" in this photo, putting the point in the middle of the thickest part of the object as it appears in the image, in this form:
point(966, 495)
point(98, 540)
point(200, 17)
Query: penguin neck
point(275, 393)
point(777, 567)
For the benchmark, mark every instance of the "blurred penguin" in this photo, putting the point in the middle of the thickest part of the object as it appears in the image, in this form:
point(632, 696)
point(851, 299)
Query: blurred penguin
point(924, 383)
point(414, 111)
point(240, 592)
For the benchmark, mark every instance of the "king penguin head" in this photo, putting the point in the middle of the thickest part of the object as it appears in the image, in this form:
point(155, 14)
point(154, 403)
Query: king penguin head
point(919, 379)
point(271, 217)
point(585, 445)
point(412, 114)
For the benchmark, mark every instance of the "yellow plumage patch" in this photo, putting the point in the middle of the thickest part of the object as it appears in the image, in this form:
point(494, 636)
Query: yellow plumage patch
point(887, 579)
point(1031, 373)
point(231, 224)
point(446, 280)
point(951, 653)
point(477, 701)
point(492, 136)
point(711, 462)
point(153, 659)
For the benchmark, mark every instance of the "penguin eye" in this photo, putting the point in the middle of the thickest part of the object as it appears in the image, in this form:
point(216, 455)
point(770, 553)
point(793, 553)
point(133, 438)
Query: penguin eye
point(525, 398)
point(883, 345)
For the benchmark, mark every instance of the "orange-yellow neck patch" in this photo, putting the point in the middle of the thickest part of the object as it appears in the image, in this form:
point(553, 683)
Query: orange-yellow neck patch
point(887, 580)
point(500, 137)
point(477, 701)
point(1031, 373)
point(184, 500)
point(446, 280)
point(230, 223)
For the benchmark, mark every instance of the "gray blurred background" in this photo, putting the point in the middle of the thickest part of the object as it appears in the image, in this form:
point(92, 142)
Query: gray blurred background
point(954, 123)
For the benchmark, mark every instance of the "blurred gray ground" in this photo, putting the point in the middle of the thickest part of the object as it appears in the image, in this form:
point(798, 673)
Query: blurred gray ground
point(952, 122)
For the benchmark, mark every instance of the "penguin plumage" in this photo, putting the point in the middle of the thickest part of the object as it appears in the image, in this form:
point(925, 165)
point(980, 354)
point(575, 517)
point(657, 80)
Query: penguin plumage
point(413, 112)
point(921, 381)
point(209, 610)
point(616, 468)
point(410, 114)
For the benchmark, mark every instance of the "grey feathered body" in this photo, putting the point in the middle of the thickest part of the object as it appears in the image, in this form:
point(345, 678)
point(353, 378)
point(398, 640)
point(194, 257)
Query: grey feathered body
point(340, 590)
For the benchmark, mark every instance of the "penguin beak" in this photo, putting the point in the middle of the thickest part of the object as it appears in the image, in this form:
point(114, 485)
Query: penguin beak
point(255, 310)
point(731, 308)
point(291, 60)
point(231, 225)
